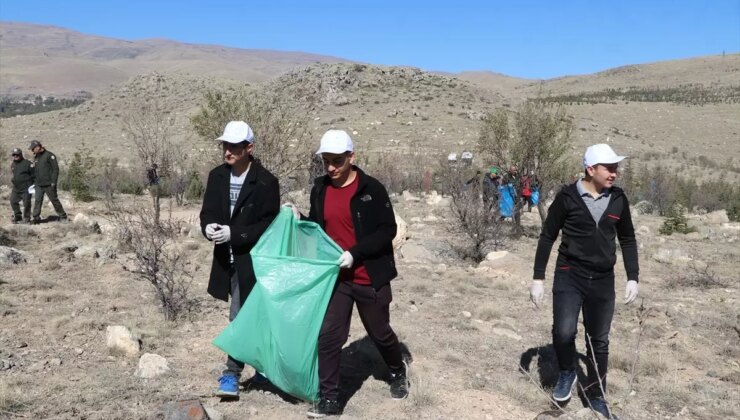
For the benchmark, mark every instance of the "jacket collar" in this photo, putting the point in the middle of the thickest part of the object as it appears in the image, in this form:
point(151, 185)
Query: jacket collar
point(572, 190)
point(225, 171)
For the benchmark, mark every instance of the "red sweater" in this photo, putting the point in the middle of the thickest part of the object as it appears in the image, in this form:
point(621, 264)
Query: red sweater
point(338, 225)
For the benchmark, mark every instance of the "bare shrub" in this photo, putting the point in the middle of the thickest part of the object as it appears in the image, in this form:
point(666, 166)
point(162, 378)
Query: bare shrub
point(150, 126)
point(481, 223)
point(156, 260)
point(642, 315)
point(700, 276)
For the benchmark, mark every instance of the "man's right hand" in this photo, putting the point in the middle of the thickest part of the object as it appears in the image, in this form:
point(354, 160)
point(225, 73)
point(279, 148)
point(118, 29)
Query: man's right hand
point(210, 230)
point(293, 208)
point(537, 292)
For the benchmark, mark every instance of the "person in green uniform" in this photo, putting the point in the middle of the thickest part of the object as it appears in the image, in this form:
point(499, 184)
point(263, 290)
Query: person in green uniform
point(46, 170)
point(22, 171)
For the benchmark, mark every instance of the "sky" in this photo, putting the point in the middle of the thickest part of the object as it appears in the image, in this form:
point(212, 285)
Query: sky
point(529, 39)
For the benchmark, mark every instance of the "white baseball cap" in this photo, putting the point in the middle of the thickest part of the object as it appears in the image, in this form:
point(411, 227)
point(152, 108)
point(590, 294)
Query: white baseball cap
point(600, 153)
point(237, 132)
point(336, 142)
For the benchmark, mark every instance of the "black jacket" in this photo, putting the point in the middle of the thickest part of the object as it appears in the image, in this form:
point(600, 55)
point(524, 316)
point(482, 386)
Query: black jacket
point(588, 250)
point(46, 169)
point(374, 223)
point(256, 207)
point(22, 174)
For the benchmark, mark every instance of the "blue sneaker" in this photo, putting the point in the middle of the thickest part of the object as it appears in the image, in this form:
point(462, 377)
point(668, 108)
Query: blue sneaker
point(564, 388)
point(228, 386)
point(599, 405)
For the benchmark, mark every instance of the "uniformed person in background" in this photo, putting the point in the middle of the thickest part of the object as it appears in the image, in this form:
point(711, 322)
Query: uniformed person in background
point(22, 171)
point(46, 171)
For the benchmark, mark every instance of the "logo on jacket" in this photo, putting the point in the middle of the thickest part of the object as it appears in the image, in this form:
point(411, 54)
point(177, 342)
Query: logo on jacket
point(366, 197)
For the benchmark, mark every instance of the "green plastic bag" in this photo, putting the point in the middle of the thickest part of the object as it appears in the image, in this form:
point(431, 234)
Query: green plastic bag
point(277, 329)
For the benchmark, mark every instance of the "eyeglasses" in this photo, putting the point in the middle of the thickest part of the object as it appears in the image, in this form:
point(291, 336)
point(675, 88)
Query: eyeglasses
point(335, 162)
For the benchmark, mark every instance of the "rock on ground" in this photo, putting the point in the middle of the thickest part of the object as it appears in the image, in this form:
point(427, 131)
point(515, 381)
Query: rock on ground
point(121, 341)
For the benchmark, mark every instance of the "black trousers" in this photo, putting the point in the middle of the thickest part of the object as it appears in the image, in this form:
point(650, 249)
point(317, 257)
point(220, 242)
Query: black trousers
point(51, 192)
point(595, 299)
point(373, 307)
point(16, 196)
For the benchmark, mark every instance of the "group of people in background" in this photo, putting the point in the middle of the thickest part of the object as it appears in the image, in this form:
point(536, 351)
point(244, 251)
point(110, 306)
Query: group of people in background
point(519, 191)
point(34, 178)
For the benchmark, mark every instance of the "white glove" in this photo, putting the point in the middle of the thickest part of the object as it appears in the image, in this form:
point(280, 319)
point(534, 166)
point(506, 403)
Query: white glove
point(292, 206)
point(222, 235)
point(32, 189)
point(631, 291)
point(210, 230)
point(345, 260)
point(537, 292)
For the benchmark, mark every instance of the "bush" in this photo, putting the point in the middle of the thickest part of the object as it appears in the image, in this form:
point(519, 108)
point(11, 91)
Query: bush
point(676, 221)
point(195, 187)
point(279, 125)
point(79, 175)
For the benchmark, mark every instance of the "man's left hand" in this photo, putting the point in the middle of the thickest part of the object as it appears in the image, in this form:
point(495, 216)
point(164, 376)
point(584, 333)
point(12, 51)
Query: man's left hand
point(222, 235)
point(345, 260)
point(631, 291)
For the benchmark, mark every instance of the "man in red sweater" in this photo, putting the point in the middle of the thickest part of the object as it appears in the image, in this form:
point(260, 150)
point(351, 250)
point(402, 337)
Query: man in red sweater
point(355, 211)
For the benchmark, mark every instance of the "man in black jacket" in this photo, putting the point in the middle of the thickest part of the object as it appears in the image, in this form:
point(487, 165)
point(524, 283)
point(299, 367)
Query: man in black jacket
point(591, 213)
point(22, 179)
point(241, 200)
point(355, 211)
point(46, 172)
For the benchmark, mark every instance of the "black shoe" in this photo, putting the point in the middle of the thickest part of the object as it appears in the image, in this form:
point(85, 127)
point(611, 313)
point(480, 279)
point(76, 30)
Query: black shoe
point(400, 384)
point(599, 405)
point(63, 219)
point(564, 388)
point(35, 221)
point(325, 407)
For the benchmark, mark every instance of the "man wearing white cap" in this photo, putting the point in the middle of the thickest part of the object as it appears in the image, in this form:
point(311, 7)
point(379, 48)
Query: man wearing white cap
point(591, 213)
point(241, 200)
point(355, 211)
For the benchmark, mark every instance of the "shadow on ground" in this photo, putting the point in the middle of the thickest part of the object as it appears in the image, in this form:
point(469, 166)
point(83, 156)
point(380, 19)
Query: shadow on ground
point(548, 370)
point(361, 360)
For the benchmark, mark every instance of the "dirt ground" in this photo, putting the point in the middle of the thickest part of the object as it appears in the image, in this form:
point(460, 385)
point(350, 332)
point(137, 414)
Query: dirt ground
point(469, 328)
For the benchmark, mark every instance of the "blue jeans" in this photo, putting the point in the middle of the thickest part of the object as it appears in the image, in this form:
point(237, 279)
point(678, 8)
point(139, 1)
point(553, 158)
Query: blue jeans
point(595, 298)
point(233, 366)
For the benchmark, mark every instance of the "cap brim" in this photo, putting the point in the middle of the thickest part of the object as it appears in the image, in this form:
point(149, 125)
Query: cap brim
point(607, 161)
point(614, 159)
point(332, 151)
point(232, 140)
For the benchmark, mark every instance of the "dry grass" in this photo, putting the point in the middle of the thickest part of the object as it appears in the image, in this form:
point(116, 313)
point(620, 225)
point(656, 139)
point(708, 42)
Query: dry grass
point(490, 312)
point(423, 395)
point(11, 399)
